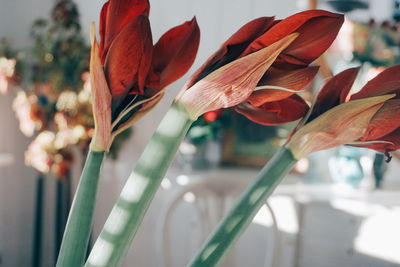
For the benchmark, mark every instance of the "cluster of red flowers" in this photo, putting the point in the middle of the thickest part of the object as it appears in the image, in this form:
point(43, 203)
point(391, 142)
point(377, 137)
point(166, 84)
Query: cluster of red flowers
point(130, 88)
point(265, 104)
point(257, 71)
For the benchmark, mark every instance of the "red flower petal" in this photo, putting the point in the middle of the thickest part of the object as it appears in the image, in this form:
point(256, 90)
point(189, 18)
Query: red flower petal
point(293, 80)
point(233, 47)
point(317, 28)
point(120, 13)
point(129, 59)
point(288, 62)
point(275, 113)
point(174, 54)
point(390, 142)
point(386, 82)
point(316, 36)
point(385, 121)
point(102, 30)
point(334, 92)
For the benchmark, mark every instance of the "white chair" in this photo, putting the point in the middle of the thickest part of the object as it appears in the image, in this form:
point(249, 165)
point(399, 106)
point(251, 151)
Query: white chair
point(208, 199)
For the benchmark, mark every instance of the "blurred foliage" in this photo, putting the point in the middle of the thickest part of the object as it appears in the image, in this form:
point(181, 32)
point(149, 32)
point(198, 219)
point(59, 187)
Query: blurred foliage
point(209, 126)
point(60, 54)
point(6, 51)
point(376, 44)
point(57, 109)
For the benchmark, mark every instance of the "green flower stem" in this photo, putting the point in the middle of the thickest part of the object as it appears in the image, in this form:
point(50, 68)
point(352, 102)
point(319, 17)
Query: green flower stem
point(77, 231)
point(140, 188)
point(241, 215)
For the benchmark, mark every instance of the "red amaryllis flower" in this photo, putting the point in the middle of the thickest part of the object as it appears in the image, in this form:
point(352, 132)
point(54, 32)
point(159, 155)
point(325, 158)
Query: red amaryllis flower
point(369, 118)
point(212, 116)
point(260, 68)
point(128, 72)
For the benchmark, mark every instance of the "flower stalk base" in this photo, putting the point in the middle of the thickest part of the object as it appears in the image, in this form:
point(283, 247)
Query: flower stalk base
point(77, 231)
point(241, 215)
point(139, 190)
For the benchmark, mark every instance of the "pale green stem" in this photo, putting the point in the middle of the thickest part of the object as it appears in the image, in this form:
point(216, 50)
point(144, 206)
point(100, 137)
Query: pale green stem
point(241, 215)
point(140, 188)
point(77, 231)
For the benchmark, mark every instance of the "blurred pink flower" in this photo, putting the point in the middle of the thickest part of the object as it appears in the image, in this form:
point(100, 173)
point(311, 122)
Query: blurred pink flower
point(22, 106)
point(37, 154)
point(7, 68)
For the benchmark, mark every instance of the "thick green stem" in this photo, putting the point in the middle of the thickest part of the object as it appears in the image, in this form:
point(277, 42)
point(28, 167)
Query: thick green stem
point(77, 231)
point(140, 188)
point(241, 215)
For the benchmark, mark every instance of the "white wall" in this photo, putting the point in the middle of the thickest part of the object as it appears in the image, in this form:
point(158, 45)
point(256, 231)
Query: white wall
point(17, 182)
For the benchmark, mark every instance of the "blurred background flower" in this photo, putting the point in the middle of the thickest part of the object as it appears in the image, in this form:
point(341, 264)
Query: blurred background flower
point(55, 97)
point(11, 65)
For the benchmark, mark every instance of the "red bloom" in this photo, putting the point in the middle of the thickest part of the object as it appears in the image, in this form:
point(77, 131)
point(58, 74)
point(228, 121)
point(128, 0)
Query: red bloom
point(287, 68)
point(212, 115)
point(369, 118)
point(384, 128)
point(135, 70)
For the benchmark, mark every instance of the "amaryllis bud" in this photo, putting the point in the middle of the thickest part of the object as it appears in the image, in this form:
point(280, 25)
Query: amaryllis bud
point(369, 118)
point(101, 99)
point(271, 101)
point(233, 83)
point(340, 125)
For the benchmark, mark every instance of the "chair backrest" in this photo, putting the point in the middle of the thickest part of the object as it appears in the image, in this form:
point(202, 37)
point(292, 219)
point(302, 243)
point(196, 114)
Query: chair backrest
point(202, 205)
